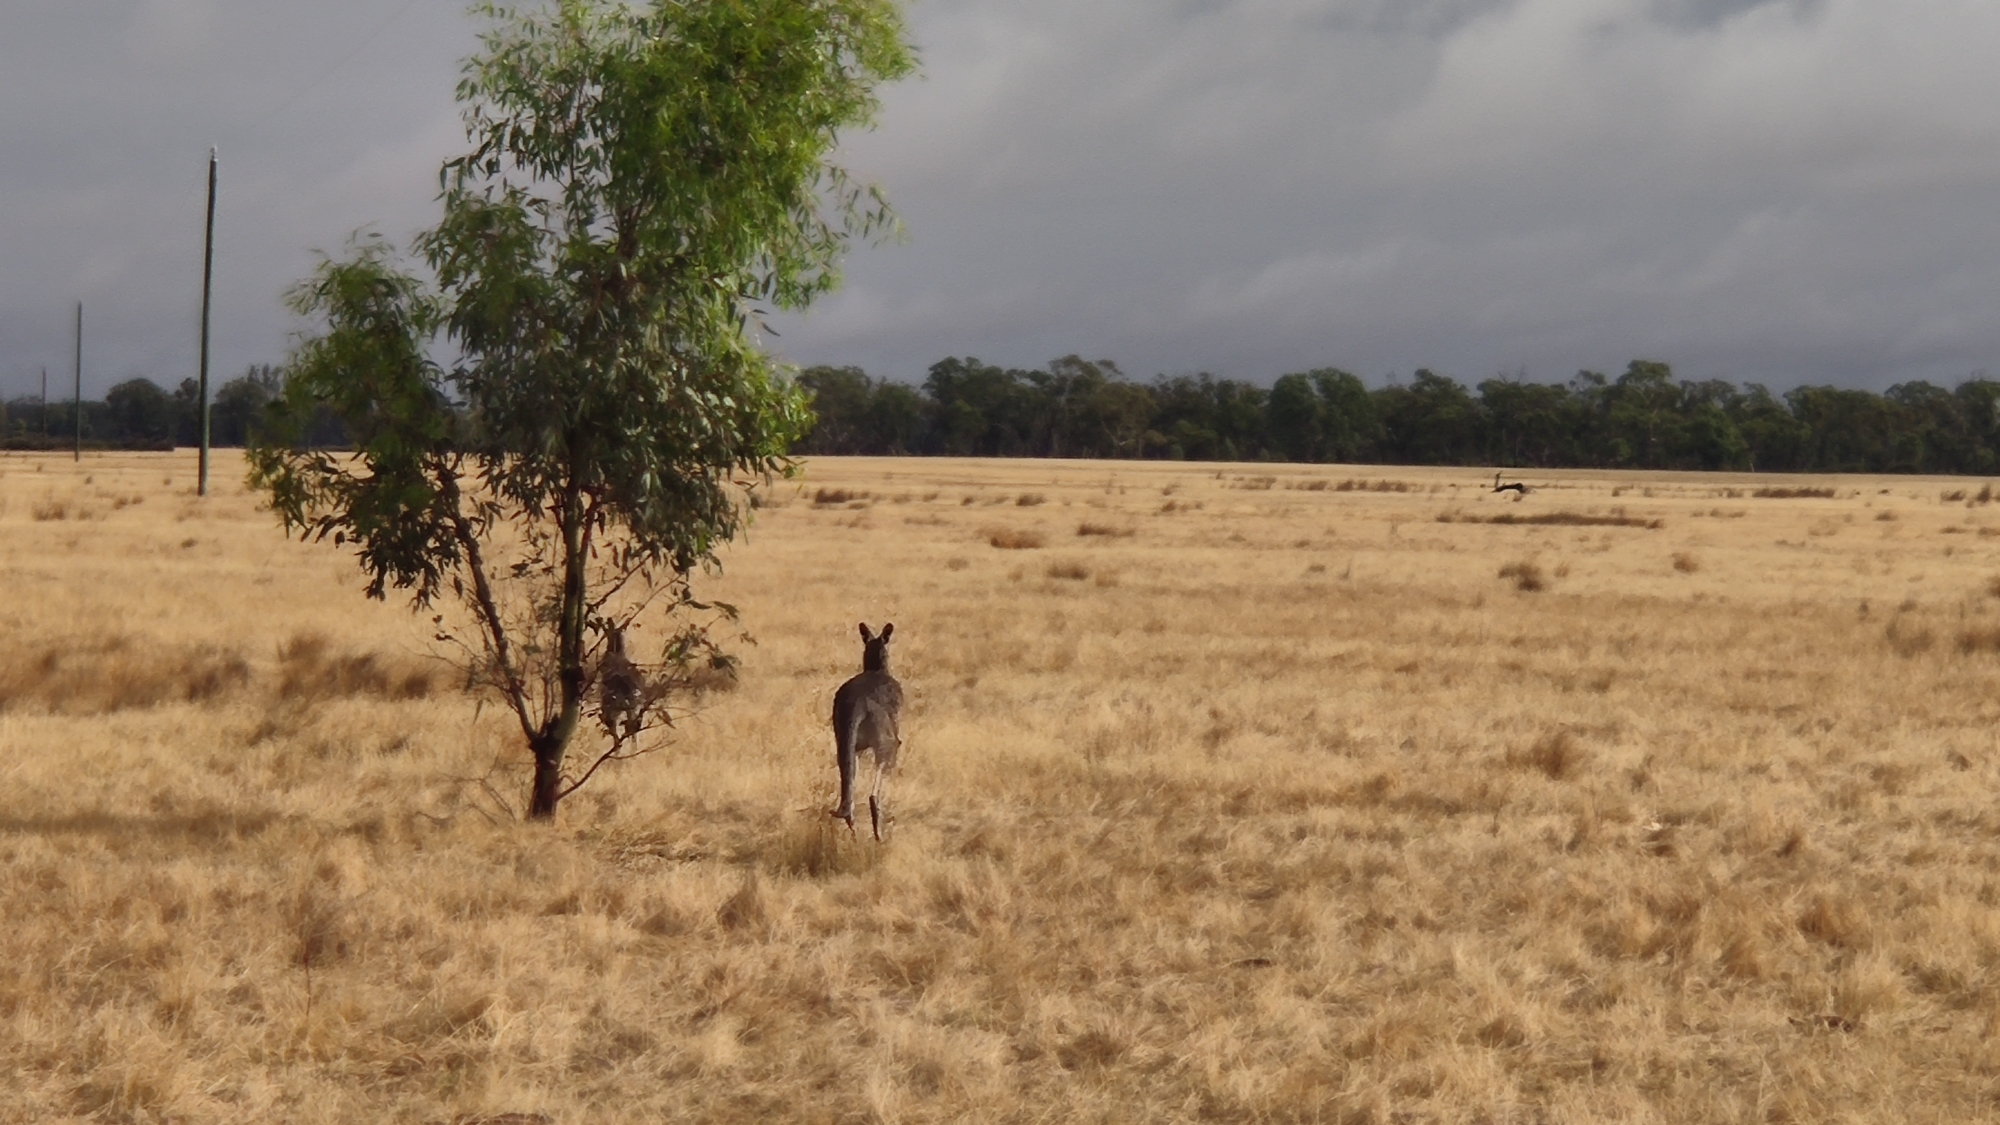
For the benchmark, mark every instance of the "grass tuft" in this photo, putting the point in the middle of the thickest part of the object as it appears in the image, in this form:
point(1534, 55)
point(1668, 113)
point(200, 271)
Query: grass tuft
point(1527, 576)
point(1835, 919)
point(1907, 640)
point(309, 670)
point(1556, 755)
point(1979, 639)
point(748, 909)
point(1013, 540)
point(816, 846)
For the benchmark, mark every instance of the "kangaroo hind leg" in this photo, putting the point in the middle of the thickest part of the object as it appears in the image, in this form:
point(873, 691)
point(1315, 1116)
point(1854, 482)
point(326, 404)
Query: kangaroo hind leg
point(878, 800)
point(845, 752)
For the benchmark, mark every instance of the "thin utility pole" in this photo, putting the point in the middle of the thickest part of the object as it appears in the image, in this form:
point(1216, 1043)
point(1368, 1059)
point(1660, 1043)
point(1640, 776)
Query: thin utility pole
point(79, 382)
point(207, 288)
point(45, 404)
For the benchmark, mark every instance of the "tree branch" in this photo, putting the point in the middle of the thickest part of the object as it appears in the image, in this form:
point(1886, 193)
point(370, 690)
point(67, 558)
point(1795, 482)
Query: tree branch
point(615, 754)
point(489, 610)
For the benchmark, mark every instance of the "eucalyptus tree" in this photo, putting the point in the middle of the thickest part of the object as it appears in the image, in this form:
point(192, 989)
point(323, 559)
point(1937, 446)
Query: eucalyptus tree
point(561, 419)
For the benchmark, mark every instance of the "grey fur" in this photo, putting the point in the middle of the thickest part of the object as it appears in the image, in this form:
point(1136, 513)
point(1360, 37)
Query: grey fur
point(867, 716)
point(622, 687)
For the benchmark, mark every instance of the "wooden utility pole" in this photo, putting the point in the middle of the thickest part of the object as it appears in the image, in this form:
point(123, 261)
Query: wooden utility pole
point(207, 287)
point(79, 382)
point(45, 404)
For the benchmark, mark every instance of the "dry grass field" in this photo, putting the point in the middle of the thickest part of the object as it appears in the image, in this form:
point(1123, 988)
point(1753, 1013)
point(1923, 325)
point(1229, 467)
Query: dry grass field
point(1230, 793)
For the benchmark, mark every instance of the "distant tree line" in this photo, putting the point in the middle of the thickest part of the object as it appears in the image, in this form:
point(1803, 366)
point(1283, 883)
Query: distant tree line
point(140, 414)
point(1641, 419)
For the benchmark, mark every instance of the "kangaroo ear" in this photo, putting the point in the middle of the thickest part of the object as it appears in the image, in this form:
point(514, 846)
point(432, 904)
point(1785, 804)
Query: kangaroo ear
point(888, 629)
point(865, 634)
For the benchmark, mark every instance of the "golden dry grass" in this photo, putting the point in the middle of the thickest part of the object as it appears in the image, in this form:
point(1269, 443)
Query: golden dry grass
point(1302, 808)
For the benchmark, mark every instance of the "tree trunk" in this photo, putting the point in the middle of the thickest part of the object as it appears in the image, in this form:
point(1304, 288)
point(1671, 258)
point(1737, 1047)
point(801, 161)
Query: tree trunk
point(554, 738)
point(548, 780)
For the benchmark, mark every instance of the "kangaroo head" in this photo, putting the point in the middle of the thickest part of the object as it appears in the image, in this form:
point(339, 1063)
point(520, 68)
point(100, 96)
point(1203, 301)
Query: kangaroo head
point(875, 649)
point(614, 640)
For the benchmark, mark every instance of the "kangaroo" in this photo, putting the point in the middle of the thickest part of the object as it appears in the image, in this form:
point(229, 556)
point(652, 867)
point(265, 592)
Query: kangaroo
point(867, 711)
point(622, 688)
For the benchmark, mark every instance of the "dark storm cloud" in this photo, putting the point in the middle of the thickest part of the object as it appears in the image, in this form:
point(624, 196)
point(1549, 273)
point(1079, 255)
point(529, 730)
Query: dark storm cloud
point(1771, 189)
point(1777, 190)
point(107, 111)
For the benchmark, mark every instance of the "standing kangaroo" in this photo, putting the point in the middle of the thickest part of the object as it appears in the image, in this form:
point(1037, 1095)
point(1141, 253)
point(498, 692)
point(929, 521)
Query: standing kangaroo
point(866, 714)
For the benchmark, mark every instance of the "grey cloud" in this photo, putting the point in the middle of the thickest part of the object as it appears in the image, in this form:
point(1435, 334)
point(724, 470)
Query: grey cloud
point(1543, 185)
point(109, 112)
point(1763, 190)
point(1702, 14)
point(1414, 17)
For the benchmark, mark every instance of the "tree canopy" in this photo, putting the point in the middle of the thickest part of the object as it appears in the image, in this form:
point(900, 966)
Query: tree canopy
point(1643, 418)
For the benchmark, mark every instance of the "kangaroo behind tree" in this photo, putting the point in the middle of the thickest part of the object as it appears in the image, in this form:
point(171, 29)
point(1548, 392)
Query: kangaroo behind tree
point(867, 711)
point(622, 688)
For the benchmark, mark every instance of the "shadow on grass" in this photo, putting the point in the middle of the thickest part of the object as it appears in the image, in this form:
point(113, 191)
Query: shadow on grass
point(202, 826)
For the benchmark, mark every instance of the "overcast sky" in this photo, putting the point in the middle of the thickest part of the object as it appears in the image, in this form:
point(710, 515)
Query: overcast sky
point(1781, 191)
